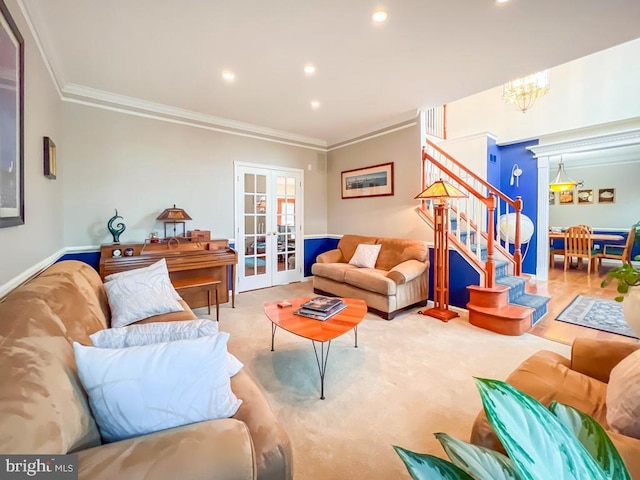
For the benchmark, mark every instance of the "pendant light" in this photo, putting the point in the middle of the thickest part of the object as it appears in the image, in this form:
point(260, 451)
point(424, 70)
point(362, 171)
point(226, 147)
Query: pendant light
point(562, 182)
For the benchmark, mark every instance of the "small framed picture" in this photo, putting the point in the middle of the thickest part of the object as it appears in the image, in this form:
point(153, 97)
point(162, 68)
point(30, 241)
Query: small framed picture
point(49, 158)
point(585, 196)
point(552, 198)
point(606, 195)
point(566, 198)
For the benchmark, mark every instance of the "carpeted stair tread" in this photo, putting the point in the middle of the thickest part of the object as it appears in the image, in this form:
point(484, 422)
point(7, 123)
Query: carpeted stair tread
point(537, 302)
point(516, 285)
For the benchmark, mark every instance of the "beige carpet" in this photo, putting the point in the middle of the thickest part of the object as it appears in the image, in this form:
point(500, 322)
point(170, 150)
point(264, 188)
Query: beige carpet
point(410, 377)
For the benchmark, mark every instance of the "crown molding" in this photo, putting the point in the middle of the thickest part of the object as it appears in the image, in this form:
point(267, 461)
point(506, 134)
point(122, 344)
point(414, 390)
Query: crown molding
point(101, 98)
point(587, 144)
point(44, 45)
point(374, 134)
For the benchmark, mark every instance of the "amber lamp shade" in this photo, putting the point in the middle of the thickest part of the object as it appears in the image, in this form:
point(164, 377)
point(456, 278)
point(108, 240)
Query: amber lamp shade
point(174, 216)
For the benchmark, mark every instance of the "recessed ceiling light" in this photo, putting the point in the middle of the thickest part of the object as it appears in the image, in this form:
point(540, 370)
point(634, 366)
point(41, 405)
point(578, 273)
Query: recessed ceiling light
point(227, 75)
point(501, 1)
point(309, 69)
point(379, 16)
point(315, 104)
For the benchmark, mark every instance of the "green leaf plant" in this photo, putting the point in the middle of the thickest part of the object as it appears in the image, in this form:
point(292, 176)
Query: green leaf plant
point(558, 443)
point(626, 275)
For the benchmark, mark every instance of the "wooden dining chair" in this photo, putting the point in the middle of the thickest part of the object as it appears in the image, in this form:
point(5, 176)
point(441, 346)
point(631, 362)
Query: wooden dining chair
point(579, 244)
point(553, 251)
point(619, 252)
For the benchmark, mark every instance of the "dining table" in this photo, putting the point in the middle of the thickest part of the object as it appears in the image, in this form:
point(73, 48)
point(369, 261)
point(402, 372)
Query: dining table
point(596, 237)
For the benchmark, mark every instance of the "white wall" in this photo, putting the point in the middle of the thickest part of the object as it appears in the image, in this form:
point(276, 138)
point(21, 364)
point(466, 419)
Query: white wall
point(41, 236)
point(593, 90)
point(390, 216)
point(142, 166)
point(471, 151)
point(619, 215)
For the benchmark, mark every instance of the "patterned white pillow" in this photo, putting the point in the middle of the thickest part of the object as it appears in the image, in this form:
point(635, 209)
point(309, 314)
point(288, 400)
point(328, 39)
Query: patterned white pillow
point(140, 294)
point(365, 256)
point(138, 390)
point(158, 332)
point(159, 267)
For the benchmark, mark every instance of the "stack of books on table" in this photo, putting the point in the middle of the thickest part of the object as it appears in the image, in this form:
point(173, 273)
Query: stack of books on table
point(321, 308)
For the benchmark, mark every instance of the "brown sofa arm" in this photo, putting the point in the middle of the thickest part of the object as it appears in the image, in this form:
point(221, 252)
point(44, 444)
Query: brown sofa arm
point(596, 358)
point(218, 449)
point(331, 256)
point(407, 271)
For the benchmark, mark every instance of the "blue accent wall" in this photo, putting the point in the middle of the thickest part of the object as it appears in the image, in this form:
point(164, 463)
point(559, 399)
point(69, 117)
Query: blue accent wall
point(494, 161)
point(461, 274)
point(90, 258)
point(527, 188)
point(314, 247)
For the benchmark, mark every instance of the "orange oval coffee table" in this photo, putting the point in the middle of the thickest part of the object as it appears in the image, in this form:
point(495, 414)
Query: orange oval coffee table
point(316, 330)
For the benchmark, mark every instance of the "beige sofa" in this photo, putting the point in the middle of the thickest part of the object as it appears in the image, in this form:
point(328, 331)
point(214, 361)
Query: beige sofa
point(44, 410)
point(399, 280)
point(580, 382)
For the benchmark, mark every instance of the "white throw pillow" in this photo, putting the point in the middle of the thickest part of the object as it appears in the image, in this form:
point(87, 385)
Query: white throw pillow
point(138, 390)
point(158, 332)
point(159, 267)
point(365, 256)
point(141, 293)
point(623, 396)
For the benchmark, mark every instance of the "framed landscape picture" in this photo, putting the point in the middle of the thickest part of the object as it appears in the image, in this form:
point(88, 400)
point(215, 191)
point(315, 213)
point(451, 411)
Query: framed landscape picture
point(12, 131)
point(373, 181)
point(552, 198)
point(566, 198)
point(606, 195)
point(585, 196)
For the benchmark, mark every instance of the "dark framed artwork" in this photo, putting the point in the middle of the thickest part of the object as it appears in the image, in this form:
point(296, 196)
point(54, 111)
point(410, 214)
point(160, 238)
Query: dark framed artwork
point(566, 198)
point(585, 196)
point(552, 198)
point(373, 181)
point(606, 195)
point(11, 121)
point(50, 165)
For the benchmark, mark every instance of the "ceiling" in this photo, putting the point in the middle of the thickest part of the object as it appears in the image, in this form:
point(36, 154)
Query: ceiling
point(172, 53)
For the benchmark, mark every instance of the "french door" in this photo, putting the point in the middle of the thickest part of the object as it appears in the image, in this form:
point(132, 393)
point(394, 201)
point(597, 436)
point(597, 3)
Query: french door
point(268, 226)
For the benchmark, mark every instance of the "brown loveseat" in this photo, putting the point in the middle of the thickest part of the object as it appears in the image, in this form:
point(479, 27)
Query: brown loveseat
point(580, 382)
point(399, 280)
point(44, 410)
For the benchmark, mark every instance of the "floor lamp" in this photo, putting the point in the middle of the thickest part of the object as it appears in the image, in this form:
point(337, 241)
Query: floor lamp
point(439, 193)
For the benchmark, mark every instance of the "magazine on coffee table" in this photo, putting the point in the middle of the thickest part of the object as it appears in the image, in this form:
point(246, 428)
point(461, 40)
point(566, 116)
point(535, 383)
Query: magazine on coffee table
point(322, 304)
point(305, 312)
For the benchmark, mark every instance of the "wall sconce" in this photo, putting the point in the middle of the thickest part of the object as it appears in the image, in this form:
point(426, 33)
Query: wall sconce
point(175, 216)
point(516, 171)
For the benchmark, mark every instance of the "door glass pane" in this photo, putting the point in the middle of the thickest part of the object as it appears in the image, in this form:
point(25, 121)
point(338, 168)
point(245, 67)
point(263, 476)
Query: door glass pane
point(282, 262)
point(249, 183)
point(261, 184)
point(261, 263)
point(291, 187)
point(249, 224)
point(291, 261)
point(249, 204)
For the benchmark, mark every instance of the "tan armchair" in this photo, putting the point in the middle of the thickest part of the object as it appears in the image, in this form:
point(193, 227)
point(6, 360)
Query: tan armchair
point(580, 382)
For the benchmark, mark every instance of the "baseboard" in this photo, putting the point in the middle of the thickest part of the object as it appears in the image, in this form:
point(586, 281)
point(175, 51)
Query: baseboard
point(30, 273)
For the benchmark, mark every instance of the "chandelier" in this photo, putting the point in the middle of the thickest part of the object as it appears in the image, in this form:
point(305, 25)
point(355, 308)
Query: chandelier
point(523, 92)
point(562, 182)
